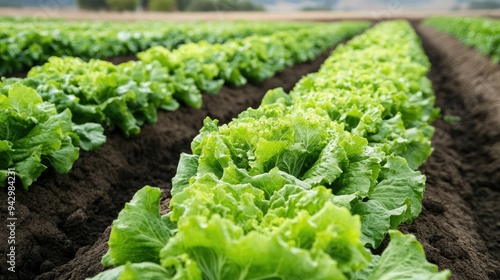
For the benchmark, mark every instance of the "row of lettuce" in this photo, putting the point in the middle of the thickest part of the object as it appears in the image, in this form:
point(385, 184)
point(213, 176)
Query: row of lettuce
point(66, 104)
point(482, 34)
point(26, 43)
point(301, 186)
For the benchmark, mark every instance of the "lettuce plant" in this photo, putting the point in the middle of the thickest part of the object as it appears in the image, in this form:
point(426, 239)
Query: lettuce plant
point(480, 33)
point(290, 190)
point(26, 42)
point(31, 132)
point(129, 95)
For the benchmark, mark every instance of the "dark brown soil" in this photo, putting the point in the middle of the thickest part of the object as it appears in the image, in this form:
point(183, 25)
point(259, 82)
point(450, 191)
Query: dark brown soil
point(460, 224)
point(62, 215)
point(121, 59)
point(22, 74)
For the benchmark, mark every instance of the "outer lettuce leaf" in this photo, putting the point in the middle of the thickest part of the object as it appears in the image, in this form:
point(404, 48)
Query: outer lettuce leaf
point(394, 197)
point(63, 158)
point(404, 258)
point(186, 169)
point(397, 182)
point(419, 147)
point(136, 271)
point(362, 173)
point(375, 220)
point(29, 168)
point(328, 166)
point(140, 232)
point(90, 136)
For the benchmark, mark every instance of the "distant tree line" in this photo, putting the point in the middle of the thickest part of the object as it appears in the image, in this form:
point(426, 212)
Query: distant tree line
point(484, 5)
point(170, 5)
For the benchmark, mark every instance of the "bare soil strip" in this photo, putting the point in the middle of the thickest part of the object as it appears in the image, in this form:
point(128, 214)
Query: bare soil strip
point(121, 59)
point(460, 224)
point(62, 214)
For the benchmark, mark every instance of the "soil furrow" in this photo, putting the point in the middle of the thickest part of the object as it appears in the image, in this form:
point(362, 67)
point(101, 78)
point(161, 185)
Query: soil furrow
point(459, 224)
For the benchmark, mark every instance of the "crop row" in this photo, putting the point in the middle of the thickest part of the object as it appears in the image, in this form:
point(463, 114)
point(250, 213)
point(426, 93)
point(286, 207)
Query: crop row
point(299, 187)
point(482, 34)
point(82, 97)
point(24, 44)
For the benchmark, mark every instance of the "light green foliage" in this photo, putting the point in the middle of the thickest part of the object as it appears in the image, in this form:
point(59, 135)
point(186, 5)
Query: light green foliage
point(139, 231)
point(261, 144)
point(25, 43)
point(393, 102)
point(320, 240)
point(144, 270)
point(90, 96)
point(482, 34)
point(404, 258)
point(33, 135)
point(295, 190)
point(129, 95)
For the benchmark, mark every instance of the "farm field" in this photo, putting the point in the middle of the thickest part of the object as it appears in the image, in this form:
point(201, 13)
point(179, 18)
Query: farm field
point(64, 219)
point(120, 168)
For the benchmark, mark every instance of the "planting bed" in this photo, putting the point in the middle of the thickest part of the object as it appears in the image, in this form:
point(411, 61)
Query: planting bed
point(62, 216)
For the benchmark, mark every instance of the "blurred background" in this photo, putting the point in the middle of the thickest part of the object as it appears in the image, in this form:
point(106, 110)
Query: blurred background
point(257, 5)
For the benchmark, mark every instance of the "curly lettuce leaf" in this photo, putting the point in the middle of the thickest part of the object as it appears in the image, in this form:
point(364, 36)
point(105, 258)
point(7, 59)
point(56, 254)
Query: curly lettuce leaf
point(320, 246)
point(34, 135)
